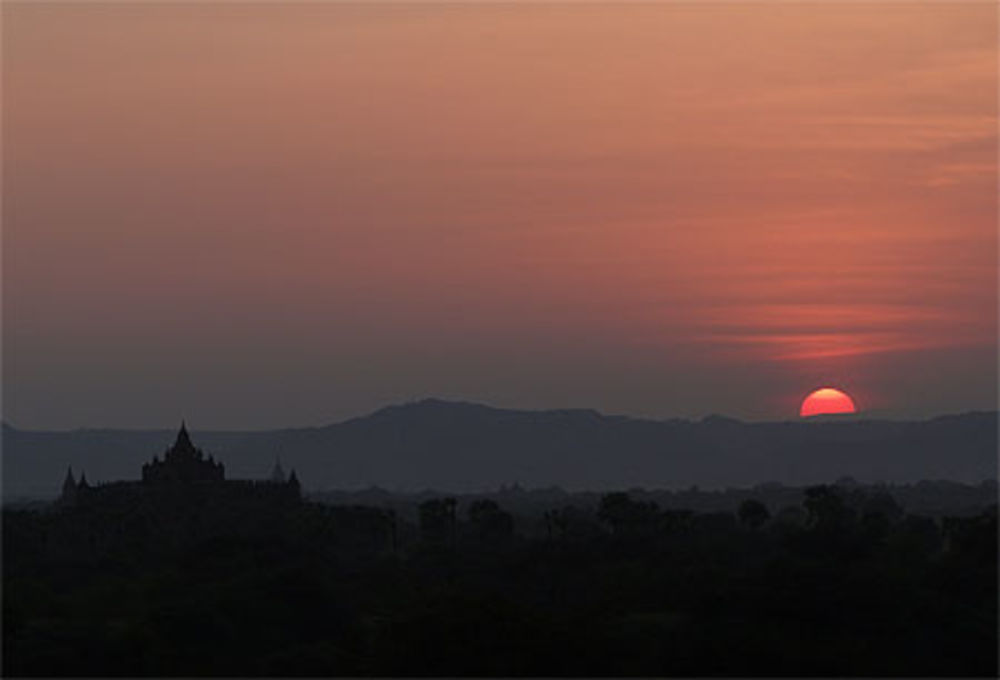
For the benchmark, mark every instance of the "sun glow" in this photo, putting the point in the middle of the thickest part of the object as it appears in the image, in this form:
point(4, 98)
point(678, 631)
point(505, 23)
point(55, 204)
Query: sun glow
point(826, 400)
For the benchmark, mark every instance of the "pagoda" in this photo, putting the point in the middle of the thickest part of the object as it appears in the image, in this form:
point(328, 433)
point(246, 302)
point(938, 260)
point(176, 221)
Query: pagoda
point(183, 462)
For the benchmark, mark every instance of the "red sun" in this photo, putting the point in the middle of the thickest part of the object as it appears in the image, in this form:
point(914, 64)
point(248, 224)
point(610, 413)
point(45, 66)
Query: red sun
point(826, 400)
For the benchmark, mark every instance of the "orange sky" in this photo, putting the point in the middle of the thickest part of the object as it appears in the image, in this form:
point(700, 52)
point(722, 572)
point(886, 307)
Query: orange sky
point(261, 215)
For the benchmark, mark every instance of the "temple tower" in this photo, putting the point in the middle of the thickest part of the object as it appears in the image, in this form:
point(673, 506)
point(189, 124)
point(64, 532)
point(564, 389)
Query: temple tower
point(68, 496)
point(277, 473)
point(183, 462)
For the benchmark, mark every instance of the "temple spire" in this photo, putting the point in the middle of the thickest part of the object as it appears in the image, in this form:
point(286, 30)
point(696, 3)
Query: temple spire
point(183, 439)
point(68, 496)
point(277, 474)
point(69, 482)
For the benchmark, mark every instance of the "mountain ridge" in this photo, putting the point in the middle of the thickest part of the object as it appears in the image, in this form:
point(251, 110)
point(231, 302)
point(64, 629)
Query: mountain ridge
point(465, 446)
point(473, 405)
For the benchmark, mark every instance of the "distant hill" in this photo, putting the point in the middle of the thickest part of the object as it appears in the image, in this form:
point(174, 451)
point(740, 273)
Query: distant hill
point(469, 447)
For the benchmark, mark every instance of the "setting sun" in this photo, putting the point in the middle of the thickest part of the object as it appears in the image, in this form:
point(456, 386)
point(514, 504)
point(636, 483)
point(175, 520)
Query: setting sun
point(826, 400)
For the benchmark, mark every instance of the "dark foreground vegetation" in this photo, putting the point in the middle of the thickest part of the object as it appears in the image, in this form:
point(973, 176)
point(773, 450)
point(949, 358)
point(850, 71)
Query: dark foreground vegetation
point(843, 584)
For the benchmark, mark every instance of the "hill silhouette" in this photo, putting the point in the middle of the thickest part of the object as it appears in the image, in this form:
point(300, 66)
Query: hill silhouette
point(464, 446)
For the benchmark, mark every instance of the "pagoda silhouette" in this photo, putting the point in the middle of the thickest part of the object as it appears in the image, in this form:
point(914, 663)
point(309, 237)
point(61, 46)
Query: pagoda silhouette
point(184, 471)
point(183, 463)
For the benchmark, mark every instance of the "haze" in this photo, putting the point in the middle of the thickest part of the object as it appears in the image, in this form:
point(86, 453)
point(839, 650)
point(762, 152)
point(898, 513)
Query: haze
point(263, 215)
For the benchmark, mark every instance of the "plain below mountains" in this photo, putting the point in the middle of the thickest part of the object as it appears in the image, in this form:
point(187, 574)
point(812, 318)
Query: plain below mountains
point(456, 447)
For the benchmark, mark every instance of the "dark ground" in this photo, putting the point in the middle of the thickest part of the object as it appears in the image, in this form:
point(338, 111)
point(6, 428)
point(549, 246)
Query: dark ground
point(844, 584)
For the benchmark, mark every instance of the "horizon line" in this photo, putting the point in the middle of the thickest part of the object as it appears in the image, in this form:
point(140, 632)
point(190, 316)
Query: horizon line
point(863, 416)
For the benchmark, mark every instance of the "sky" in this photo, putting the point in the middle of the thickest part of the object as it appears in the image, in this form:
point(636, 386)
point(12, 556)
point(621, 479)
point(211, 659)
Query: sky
point(259, 215)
